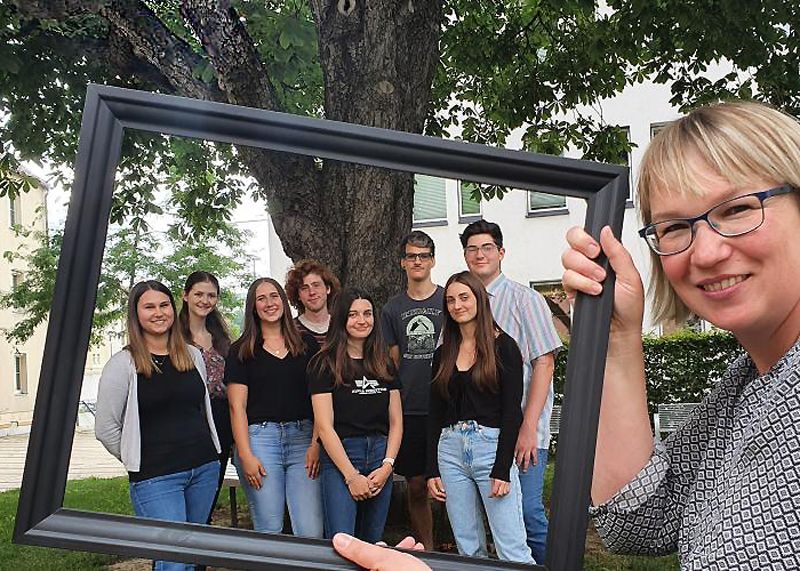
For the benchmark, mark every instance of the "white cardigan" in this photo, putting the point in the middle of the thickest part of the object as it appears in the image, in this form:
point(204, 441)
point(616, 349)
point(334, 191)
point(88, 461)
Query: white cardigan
point(116, 424)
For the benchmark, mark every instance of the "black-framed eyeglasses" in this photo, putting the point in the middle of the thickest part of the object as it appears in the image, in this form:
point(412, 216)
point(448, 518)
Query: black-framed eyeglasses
point(422, 257)
point(732, 217)
point(486, 248)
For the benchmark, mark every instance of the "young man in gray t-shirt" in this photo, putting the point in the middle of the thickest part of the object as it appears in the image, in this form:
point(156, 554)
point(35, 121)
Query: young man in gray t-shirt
point(411, 322)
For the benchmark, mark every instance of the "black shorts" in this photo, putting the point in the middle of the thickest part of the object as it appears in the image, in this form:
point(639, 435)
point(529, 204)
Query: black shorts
point(410, 459)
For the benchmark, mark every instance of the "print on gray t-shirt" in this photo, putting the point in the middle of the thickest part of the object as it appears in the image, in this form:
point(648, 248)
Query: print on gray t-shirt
point(414, 326)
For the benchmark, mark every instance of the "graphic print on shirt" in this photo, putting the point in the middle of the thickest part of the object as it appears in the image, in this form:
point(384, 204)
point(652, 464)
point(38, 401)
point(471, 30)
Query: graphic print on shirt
point(420, 333)
point(365, 386)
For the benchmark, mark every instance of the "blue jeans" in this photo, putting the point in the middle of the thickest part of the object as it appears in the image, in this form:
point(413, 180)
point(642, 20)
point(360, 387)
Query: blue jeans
point(281, 447)
point(364, 519)
point(182, 496)
point(532, 482)
point(467, 452)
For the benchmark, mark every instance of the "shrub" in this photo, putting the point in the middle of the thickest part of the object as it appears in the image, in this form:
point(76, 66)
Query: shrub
point(681, 367)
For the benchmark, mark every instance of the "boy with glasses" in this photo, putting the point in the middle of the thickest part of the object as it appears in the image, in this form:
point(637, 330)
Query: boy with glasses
point(522, 313)
point(411, 322)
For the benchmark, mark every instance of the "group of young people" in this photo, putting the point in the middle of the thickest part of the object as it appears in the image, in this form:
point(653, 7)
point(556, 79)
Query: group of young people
point(450, 387)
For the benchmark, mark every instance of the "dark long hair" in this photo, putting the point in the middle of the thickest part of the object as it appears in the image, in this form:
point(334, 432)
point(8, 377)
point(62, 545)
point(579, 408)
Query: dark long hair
point(137, 347)
point(215, 323)
point(245, 345)
point(333, 358)
point(484, 371)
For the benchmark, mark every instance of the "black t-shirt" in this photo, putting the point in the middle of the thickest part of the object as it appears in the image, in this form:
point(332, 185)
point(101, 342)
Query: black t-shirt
point(466, 402)
point(277, 389)
point(414, 326)
point(172, 422)
point(360, 405)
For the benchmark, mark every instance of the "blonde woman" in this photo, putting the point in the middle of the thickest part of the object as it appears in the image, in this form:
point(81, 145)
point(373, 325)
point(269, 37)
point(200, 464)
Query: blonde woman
point(718, 190)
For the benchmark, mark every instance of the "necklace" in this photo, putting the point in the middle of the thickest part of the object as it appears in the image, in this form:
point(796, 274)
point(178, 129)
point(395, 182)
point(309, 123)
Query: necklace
point(159, 360)
point(279, 351)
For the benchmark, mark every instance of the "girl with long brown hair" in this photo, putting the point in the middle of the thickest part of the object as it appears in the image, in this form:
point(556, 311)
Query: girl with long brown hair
point(277, 455)
point(359, 417)
point(154, 414)
point(204, 327)
point(473, 424)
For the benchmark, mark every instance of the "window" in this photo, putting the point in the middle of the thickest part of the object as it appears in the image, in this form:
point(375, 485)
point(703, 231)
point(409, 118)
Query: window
point(656, 128)
point(14, 211)
point(541, 202)
point(20, 373)
point(469, 208)
point(430, 206)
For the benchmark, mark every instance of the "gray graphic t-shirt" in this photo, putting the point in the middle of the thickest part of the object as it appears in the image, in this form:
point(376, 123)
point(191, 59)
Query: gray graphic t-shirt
point(414, 326)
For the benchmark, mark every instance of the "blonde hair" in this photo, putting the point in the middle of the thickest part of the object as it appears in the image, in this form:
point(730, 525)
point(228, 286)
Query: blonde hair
point(742, 142)
point(137, 347)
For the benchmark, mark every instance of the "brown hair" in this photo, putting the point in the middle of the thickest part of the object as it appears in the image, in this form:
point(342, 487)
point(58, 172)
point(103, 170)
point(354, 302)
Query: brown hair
point(484, 372)
point(742, 142)
point(333, 358)
point(296, 275)
point(215, 323)
point(137, 347)
point(245, 346)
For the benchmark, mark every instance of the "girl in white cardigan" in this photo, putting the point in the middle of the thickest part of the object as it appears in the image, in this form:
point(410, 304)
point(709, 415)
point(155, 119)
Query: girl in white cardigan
point(154, 414)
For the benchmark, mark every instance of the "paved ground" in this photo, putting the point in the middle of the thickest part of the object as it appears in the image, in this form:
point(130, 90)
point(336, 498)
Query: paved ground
point(89, 459)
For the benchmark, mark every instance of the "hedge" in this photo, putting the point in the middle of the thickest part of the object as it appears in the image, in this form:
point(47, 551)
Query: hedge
point(681, 367)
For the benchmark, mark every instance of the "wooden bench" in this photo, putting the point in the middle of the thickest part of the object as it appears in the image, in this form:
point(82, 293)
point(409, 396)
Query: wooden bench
point(671, 416)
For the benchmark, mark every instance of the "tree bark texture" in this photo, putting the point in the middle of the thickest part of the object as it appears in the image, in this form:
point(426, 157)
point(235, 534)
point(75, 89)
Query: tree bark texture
point(378, 59)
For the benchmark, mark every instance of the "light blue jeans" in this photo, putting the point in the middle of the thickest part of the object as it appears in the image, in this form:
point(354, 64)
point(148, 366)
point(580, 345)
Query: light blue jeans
point(366, 518)
point(281, 447)
point(532, 482)
point(467, 452)
point(182, 496)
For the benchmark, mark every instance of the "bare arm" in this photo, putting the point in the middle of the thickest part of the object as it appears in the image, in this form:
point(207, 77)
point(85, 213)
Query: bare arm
point(624, 438)
point(237, 403)
point(394, 353)
point(381, 475)
point(526, 451)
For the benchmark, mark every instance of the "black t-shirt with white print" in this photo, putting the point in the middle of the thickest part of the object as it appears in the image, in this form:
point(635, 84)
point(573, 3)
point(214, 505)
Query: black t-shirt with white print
point(360, 404)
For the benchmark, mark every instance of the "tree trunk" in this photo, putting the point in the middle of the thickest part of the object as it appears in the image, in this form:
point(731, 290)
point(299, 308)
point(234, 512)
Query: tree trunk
point(378, 61)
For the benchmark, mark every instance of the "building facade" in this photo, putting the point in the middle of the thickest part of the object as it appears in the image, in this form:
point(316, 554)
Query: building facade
point(21, 362)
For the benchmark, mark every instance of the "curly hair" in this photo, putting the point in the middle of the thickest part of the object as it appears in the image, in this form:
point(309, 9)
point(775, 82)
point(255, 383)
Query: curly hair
point(296, 275)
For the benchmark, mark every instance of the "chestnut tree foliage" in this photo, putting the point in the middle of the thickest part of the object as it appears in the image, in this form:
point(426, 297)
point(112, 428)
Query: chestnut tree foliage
point(480, 68)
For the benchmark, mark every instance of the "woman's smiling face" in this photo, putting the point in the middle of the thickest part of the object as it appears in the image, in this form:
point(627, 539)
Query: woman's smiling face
point(745, 284)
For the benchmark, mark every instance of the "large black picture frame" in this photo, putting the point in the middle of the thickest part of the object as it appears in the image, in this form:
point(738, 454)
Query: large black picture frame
point(41, 518)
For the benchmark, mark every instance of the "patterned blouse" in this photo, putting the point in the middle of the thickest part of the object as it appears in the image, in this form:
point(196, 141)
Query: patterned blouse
point(215, 370)
point(724, 490)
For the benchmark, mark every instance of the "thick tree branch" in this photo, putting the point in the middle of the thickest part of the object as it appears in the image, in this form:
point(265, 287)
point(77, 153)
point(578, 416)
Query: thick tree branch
point(289, 182)
point(154, 43)
point(240, 71)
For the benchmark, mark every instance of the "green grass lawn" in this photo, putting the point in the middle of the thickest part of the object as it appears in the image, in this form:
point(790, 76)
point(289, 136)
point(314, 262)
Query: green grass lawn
point(111, 496)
